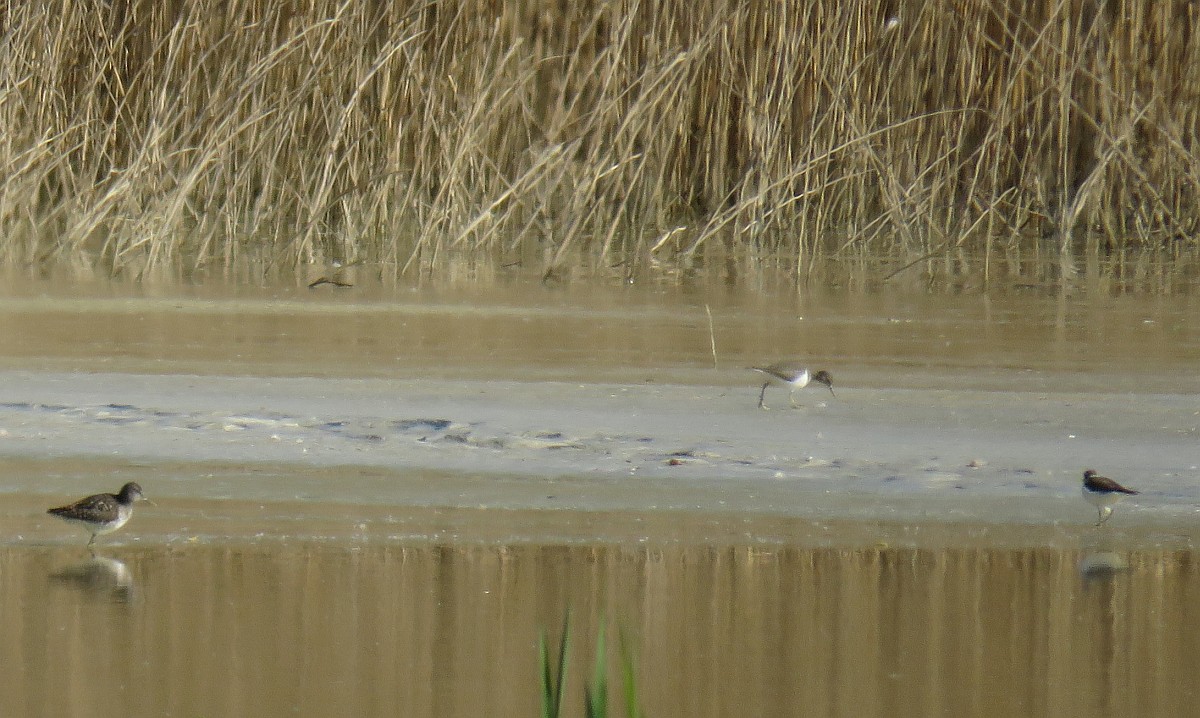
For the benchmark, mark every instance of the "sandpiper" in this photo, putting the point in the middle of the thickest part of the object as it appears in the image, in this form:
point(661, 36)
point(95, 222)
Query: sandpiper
point(793, 377)
point(1102, 492)
point(102, 513)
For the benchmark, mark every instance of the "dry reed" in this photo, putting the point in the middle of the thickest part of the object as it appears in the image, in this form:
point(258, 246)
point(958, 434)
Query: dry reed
point(951, 141)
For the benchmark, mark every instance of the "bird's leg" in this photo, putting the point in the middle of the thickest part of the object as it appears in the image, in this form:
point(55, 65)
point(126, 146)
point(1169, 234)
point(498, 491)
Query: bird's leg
point(792, 398)
point(762, 397)
point(92, 541)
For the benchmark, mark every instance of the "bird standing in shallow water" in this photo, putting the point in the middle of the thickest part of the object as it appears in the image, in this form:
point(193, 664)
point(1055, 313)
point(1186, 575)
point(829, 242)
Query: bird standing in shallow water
point(1102, 492)
point(791, 376)
point(102, 513)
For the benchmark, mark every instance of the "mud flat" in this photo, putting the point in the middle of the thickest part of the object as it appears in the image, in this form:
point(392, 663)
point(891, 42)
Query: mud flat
point(874, 454)
point(982, 409)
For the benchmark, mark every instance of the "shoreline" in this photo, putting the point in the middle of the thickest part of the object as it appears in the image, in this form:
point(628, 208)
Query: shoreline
point(176, 524)
point(631, 452)
point(193, 505)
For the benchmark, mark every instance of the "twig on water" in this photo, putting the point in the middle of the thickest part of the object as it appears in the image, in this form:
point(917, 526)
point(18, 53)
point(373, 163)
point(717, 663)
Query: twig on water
point(712, 336)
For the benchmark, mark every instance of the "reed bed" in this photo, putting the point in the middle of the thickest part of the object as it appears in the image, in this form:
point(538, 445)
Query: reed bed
point(953, 142)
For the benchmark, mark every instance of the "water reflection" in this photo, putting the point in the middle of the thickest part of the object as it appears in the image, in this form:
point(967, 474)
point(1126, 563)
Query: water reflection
point(99, 578)
point(449, 630)
point(1103, 555)
point(1102, 564)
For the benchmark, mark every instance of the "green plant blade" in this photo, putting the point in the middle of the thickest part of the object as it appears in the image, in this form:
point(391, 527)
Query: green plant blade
point(596, 693)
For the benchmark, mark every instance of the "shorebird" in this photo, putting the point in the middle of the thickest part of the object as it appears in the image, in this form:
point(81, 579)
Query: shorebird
point(102, 513)
point(1102, 492)
point(793, 377)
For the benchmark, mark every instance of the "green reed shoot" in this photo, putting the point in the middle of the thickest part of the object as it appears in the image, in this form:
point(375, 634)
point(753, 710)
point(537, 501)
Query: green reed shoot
point(553, 675)
point(596, 692)
point(554, 671)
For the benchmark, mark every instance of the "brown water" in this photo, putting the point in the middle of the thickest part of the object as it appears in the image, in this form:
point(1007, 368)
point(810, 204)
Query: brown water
point(629, 334)
point(370, 502)
point(721, 629)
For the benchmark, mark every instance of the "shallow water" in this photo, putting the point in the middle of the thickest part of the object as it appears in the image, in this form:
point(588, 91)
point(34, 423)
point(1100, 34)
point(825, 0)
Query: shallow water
point(530, 332)
point(719, 629)
point(369, 502)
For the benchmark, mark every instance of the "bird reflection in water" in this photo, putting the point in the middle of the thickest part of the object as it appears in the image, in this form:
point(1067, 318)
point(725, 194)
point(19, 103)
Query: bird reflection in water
point(1102, 564)
point(99, 578)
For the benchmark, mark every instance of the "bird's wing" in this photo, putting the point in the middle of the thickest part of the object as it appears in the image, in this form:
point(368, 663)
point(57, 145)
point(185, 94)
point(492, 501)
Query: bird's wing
point(1104, 483)
point(93, 508)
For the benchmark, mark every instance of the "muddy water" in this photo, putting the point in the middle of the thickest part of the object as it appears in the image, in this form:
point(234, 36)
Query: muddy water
point(632, 334)
point(369, 501)
point(449, 629)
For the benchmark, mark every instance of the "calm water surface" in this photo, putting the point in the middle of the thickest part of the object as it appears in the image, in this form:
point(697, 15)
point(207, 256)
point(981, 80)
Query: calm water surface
point(538, 333)
point(429, 629)
point(214, 604)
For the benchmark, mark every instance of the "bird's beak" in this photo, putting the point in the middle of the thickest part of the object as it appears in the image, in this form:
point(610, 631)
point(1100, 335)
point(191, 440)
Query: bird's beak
point(831, 390)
